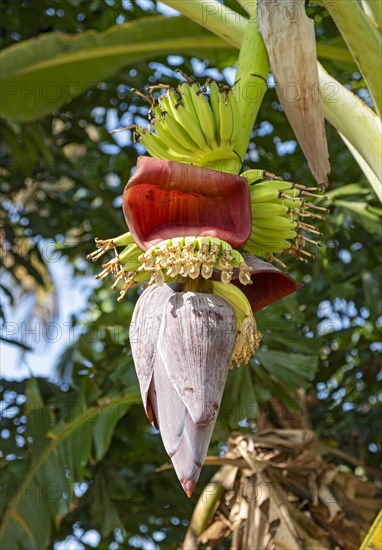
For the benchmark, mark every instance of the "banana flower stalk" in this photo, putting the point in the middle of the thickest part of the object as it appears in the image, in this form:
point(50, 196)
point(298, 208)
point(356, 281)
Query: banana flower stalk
point(185, 334)
point(195, 238)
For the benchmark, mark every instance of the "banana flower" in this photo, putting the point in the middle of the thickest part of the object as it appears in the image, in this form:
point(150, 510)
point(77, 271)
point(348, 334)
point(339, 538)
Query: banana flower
point(185, 334)
point(195, 239)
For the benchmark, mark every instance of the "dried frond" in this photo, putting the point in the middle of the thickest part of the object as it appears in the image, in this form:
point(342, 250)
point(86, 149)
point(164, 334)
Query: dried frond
point(276, 491)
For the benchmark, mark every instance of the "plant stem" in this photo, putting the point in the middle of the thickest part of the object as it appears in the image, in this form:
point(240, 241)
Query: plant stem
point(251, 80)
point(214, 16)
point(354, 119)
point(196, 285)
point(363, 40)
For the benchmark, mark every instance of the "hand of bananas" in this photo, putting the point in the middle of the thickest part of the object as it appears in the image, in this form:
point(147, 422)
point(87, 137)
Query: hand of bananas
point(194, 124)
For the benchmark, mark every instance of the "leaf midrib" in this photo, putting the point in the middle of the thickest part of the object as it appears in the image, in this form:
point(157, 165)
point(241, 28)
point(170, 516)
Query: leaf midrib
point(105, 52)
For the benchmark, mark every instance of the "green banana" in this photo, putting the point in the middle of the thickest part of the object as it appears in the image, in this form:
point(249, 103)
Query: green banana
point(278, 185)
point(200, 126)
point(226, 119)
point(167, 137)
point(264, 196)
point(192, 126)
point(164, 103)
point(205, 115)
point(271, 191)
point(186, 95)
point(267, 209)
point(173, 100)
point(123, 240)
point(277, 245)
point(156, 148)
point(179, 133)
point(214, 100)
point(294, 204)
point(154, 145)
point(253, 175)
point(104, 246)
point(266, 249)
point(275, 222)
point(129, 257)
point(273, 234)
point(186, 119)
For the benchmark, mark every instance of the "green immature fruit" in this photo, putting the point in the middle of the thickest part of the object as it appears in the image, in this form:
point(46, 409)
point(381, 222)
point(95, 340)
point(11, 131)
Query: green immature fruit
point(198, 124)
point(279, 214)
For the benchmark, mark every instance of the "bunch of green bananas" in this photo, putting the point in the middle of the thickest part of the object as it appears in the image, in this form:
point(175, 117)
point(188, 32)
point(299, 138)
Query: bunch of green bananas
point(195, 124)
point(279, 209)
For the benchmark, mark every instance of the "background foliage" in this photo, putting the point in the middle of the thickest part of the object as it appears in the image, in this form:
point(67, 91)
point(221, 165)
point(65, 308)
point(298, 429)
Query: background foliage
point(78, 454)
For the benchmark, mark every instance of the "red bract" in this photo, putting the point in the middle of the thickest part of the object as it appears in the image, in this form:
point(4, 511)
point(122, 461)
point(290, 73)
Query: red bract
point(166, 199)
point(268, 283)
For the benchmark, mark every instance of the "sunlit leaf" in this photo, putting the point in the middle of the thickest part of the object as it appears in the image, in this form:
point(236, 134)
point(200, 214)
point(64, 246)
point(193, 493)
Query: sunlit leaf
point(58, 67)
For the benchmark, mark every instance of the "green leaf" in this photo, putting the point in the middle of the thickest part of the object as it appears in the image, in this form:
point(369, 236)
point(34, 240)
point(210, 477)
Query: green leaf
point(370, 218)
point(103, 508)
point(239, 398)
point(39, 418)
point(41, 75)
point(291, 304)
point(371, 176)
point(336, 50)
point(364, 41)
point(361, 130)
point(46, 489)
point(103, 430)
point(295, 370)
point(275, 389)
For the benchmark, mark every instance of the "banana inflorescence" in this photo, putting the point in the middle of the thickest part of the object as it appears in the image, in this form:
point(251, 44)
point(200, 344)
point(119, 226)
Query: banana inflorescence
point(194, 124)
point(191, 257)
point(279, 212)
point(200, 125)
